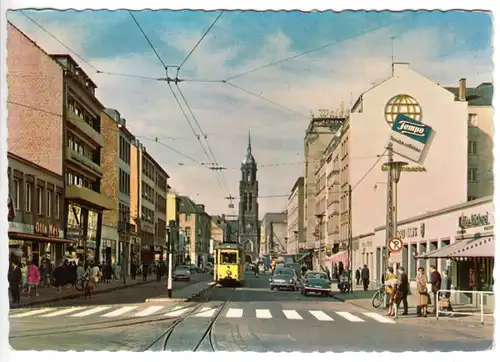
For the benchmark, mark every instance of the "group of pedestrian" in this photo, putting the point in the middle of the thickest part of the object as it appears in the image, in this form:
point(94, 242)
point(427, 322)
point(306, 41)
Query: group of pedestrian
point(364, 276)
point(22, 277)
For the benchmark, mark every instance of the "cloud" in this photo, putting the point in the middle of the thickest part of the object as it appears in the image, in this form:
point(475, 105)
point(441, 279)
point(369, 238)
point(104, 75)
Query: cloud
point(238, 43)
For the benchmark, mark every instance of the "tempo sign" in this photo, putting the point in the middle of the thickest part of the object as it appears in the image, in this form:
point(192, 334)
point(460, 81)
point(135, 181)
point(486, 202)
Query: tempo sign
point(410, 138)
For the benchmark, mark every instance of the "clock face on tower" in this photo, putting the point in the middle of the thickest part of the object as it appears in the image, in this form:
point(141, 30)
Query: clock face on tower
point(249, 226)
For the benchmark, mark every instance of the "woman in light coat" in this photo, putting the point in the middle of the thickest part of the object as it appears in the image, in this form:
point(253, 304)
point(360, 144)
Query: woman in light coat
point(422, 292)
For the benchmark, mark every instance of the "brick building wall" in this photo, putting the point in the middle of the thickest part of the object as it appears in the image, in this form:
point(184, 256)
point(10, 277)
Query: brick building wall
point(35, 102)
point(109, 165)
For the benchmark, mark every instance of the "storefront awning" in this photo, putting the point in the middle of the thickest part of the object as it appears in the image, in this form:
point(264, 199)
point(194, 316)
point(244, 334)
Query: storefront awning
point(340, 257)
point(482, 247)
point(34, 237)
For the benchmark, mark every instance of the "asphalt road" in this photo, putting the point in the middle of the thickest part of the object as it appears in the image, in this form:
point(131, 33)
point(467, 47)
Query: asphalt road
point(252, 318)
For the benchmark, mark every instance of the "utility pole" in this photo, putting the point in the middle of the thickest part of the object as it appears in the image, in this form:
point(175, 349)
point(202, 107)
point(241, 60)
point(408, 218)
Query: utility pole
point(350, 238)
point(389, 231)
point(171, 227)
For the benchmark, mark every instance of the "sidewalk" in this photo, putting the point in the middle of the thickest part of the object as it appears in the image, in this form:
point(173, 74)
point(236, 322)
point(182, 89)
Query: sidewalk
point(50, 294)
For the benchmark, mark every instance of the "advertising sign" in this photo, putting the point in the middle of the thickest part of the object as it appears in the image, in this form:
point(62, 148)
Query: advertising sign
point(410, 138)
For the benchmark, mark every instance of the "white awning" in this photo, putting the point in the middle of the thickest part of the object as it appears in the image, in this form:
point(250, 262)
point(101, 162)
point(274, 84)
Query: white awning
point(482, 247)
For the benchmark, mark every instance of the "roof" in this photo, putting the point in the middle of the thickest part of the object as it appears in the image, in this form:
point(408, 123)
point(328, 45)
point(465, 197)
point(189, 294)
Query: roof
point(152, 159)
point(186, 205)
point(482, 95)
point(299, 182)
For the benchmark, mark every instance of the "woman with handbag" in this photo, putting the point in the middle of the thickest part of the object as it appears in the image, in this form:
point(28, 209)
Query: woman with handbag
point(423, 293)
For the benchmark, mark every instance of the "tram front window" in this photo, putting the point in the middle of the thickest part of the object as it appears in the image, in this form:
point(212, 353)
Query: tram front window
point(228, 258)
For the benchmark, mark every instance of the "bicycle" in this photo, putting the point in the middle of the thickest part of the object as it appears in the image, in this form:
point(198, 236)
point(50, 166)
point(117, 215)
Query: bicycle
point(379, 297)
point(82, 284)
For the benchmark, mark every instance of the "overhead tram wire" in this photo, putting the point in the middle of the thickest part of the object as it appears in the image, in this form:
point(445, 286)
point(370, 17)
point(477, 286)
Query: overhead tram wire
point(319, 48)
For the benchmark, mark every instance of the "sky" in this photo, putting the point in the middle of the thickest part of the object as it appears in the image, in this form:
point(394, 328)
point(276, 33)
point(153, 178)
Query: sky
point(443, 46)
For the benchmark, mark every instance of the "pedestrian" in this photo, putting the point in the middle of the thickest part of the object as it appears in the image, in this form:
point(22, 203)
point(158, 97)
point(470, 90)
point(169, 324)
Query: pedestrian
point(133, 270)
point(15, 278)
point(435, 285)
point(144, 271)
point(365, 276)
point(24, 271)
point(33, 278)
point(158, 274)
point(95, 274)
point(357, 275)
point(447, 286)
point(422, 291)
point(59, 277)
point(403, 287)
point(390, 288)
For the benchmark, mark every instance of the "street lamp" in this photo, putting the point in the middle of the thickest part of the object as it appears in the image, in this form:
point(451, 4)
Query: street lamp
point(319, 234)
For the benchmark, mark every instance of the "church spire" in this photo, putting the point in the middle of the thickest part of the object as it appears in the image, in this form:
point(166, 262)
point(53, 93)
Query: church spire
point(249, 148)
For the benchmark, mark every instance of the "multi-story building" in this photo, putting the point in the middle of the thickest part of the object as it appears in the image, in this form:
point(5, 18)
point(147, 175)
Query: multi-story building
point(295, 218)
point(480, 137)
point(173, 215)
point(273, 231)
point(150, 203)
point(217, 233)
point(35, 158)
point(197, 226)
point(118, 233)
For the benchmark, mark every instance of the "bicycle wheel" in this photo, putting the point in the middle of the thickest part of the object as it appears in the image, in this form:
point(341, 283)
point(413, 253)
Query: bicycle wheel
point(377, 300)
point(80, 285)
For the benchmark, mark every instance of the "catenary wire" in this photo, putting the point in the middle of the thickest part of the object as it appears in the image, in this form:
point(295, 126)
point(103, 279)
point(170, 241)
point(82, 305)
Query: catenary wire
point(319, 48)
point(199, 41)
point(147, 39)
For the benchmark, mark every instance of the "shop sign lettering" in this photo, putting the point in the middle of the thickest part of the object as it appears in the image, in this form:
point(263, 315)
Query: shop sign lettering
point(407, 233)
point(44, 229)
point(474, 220)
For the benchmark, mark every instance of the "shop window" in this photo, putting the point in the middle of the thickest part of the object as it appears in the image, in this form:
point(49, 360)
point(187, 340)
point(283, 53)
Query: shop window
point(29, 196)
point(49, 203)
point(16, 194)
point(39, 193)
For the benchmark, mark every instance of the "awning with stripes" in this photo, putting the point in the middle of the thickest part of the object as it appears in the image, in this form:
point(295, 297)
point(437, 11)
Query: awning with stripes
point(473, 248)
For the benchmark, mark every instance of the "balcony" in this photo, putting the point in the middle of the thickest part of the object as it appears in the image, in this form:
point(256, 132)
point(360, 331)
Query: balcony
point(83, 161)
point(125, 227)
point(84, 127)
point(88, 196)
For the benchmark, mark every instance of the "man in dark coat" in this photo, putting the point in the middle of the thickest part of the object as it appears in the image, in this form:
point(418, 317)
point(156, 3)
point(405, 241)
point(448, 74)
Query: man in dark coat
point(435, 284)
point(15, 276)
point(403, 287)
point(357, 275)
point(365, 277)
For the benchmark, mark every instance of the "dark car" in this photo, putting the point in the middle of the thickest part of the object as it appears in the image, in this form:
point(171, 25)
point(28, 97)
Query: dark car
point(316, 282)
point(284, 278)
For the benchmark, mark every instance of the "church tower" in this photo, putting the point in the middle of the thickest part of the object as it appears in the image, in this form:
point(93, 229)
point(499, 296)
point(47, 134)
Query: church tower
point(249, 228)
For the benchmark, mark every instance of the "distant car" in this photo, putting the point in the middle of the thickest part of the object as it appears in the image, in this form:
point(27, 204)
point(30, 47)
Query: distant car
point(316, 282)
point(296, 267)
point(284, 278)
point(182, 272)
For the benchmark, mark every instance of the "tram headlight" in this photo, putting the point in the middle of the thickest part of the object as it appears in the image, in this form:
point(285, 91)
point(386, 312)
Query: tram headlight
point(228, 272)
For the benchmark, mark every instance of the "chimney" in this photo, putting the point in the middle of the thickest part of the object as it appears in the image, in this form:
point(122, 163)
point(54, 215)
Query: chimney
point(462, 86)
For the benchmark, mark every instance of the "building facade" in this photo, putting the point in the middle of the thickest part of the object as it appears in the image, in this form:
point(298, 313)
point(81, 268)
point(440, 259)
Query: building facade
point(118, 233)
point(295, 218)
point(249, 231)
point(173, 215)
point(37, 231)
point(274, 233)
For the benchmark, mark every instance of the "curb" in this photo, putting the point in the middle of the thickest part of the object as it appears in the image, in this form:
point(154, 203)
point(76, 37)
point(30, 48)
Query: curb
point(74, 296)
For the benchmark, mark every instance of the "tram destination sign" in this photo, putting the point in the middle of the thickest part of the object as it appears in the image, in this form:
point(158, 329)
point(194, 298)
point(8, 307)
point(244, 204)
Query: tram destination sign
point(410, 138)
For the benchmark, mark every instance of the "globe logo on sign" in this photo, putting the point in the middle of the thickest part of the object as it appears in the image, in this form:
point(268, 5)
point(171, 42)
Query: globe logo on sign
point(402, 104)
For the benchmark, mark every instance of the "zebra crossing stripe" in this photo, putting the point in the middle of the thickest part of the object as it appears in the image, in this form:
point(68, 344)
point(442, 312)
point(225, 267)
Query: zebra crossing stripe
point(263, 314)
point(350, 317)
point(119, 312)
point(176, 312)
point(234, 313)
point(148, 311)
point(90, 312)
point(379, 318)
point(32, 313)
point(205, 312)
point(62, 312)
point(321, 316)
point(291, 314)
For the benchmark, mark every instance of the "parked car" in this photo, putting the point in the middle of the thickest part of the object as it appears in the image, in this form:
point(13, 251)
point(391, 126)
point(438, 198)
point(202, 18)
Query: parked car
point(182, 272)
point(296, 267)
point(284, 278)
point(316, 282)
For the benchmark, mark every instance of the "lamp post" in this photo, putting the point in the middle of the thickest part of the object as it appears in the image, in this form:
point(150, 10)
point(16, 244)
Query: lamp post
point(170, 231)
point(319, 235)
point(394, 174)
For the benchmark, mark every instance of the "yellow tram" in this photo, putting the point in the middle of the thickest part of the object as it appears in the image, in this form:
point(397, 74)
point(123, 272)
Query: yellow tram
point(229, 264)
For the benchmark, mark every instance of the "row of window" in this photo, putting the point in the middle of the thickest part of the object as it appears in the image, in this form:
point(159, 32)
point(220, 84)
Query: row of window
point(124, 150)
point(81, 148)
point(50, 207)
point(148, 168)
point(344, 175)
point(123, 212)
point(161, 204)
point(147, 214)
point(161, 182)
point(344, 150)
point(248, 201)
point(74, 178)
point(123, 182)
point(81, 112)
point(148, 192)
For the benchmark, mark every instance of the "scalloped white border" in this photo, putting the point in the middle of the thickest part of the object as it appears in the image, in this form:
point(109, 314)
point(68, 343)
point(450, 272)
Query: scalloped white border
point(6, 354)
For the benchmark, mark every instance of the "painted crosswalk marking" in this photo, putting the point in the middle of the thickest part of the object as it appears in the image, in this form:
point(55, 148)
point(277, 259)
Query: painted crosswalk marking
point(32, 313)
point(234, 313)
point(350, 317)
point(176, 312)
point(321, 316)
point(148, 311)
point(291, 314)
point(62, 312)
point(263, 314)
point(379, 318)
point(205, 312)
point(90, 312)
point(119, 311)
